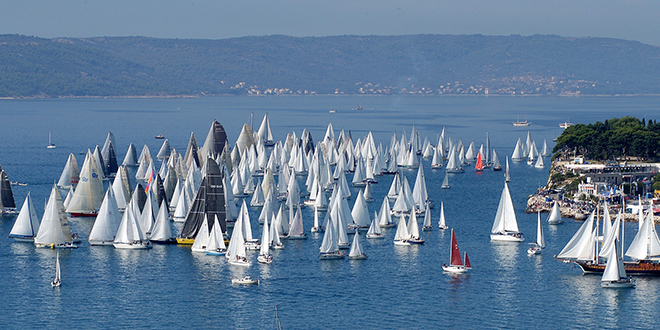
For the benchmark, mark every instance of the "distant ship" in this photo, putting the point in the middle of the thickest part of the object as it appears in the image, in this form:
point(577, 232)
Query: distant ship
point(519, 123)
point(565, 125)
point(159, 137)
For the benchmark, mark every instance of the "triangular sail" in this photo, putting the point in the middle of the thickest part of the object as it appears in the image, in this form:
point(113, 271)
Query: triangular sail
point(455, 253)
point(580, 245)
point(27, 222)
point(505, 218)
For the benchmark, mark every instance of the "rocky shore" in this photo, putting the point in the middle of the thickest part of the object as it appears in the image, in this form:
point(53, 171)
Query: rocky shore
point(570, 208)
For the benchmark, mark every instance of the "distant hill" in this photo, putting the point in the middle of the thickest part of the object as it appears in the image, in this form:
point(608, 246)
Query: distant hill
point(419, 64)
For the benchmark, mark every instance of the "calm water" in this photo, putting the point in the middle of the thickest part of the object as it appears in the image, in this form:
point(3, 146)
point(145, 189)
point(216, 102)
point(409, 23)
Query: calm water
point(170, 287)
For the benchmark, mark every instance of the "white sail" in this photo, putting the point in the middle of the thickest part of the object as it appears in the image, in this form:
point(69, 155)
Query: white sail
point(442, 222)
point(539, 163)
point(356, 250)
point(202, 238)
point(646, 244)
point(360, 212)
point(264, 249)
point(297, 230)
point(70, 174)
point(384, 215)
point(129, 232)
point(420, 194)
point(540, 238)
point(374, 228)
point(107, 222)
point(27, 223)
point(581, 245)
point(88, 195)
point(413, 226)
point(162, 230)
point(329, 244)
point(427, 224)
point(402, 233)
point(216, 239)
point(614, 270)
point(236, 249)
point(555, 215)
point(54, 228)
point(613, 234)
point(607, 222)
point(122, 188)
point(505, 219)
point(518, 153)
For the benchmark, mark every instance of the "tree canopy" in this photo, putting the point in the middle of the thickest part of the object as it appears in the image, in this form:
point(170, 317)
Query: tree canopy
point(614, 138)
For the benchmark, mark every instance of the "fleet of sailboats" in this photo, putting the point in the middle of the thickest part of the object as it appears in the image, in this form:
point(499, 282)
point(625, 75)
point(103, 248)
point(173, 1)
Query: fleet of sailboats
point(207, 180)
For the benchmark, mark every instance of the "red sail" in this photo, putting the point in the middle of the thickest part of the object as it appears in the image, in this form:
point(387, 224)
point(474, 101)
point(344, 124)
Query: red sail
point(455, 253)
point(480, 165)
point(467, 261)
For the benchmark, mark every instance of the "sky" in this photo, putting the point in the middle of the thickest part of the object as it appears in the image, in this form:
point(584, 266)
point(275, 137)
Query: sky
point(637, 20)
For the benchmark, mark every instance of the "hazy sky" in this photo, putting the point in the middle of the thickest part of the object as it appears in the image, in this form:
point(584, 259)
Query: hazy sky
point(626, 19)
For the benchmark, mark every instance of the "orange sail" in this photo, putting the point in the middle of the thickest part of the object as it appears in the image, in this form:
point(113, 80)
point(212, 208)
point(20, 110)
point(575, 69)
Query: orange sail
point(480, 165)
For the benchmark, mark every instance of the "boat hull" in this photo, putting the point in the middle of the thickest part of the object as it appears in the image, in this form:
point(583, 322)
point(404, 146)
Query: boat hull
point(332, 255)
point(186, 241)
point(375, 236)
point(506, 238)
point(555, 222)
point(132, 246)
point(243, 263)
point(101, 243)
point(620, 284)
point(19, 238)
point(83, 215)
point(358, 257)
point(642, 268)
point(455, 269)
point(216, 252)
point(401, 242)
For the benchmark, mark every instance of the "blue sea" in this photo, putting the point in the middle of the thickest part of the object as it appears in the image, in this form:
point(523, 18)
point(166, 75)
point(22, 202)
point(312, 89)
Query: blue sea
point(396, 287)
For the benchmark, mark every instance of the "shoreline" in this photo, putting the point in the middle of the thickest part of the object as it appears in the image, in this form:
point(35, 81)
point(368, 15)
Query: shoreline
point(192, 96)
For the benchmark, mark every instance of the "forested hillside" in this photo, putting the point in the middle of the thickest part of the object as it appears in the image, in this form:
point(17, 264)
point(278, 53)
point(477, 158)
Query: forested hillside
point(417, 64)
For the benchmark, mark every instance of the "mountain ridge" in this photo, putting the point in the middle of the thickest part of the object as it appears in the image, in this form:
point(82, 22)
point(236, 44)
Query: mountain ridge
point(351, 64)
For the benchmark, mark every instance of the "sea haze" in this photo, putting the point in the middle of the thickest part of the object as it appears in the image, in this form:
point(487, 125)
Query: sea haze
point(170, 287)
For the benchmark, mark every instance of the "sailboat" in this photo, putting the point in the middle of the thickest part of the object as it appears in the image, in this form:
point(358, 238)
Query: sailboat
point(107, 222)
point(50, 145)
point(236, 254)
point(445, 182)
point(355, 253)
point(88, 194)
point(413, 230)
point(329, 249)
point(505, 226)
point(202, 238)
point(496, 162)
point(455, 262)
point(539, 162)
point(427, 224)
point(402, 235)
point(54, 230)
point(264, 249)
point(374, 228)
point(297, 231)
point(615, 275)
point(130, 235)
point(537, 247)
point(216, 245)
point(479, 166)
point(555, 215)
point(161, 232)
point(209, 200)
point(441, 223)
point(27, 223)
point(57, 281)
